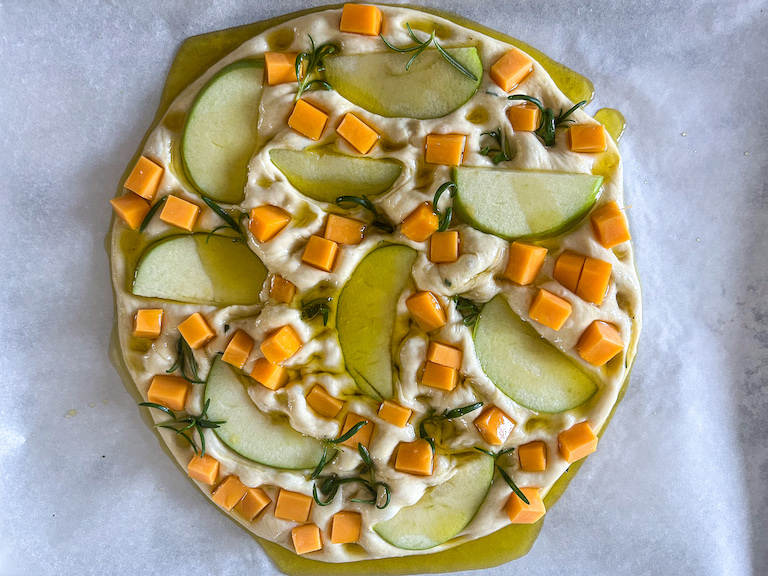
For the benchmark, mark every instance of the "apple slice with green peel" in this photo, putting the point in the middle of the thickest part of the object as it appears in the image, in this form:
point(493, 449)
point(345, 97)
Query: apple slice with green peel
point(201, 269)
point(444, 510)
point(516, 204)
point(430, 88)
point(220, 133)
point(264, 438)
point(365, 318)
point(524, 365)
point(325, 176)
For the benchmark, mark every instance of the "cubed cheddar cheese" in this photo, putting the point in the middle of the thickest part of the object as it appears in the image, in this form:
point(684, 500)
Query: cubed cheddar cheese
point(521, 513)
point(195, 331)
point(308, 120)
point(393, 413)
point(415, 457)
point(445, 149)
point(421, 223)
point(282, 290)
point(525, 117)
point(293, 506)
point(266, 221)
point(343, 230)
point(281, 344)
point(254, 501)
point(169, 391)
point(610, 225)
point(593, 281)
point(280, 67)
point(147, 323)
point(345, 527)
point(362, 436)
point(587, 138)
point(426, 310)
point(444, 247)
point(577, 442)
point(568, 269)
point(204, 469)
point(550, 310)
point(323, 403)
point(179, 213)
point(272, 376)
point(145, 178)
point(131, 209)
point(306, 539)
point(320, 253)
point(511, 69)
point(441, 377)
point(494, 425)
point(533, 456)
point(238, 349)
point(357, 133)
point(444, 355)
point(360, 19)
point(229, 492)
point(599, 343)
point(525, 262)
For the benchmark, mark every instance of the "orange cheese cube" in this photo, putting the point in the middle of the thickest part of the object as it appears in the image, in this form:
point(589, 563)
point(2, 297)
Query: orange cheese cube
point(360, 19)
point(550, 310)
point(195, 331)
point(521, 513)
point(281, 344)
point(204, 469)
point(511, 69)
point(494, 425)
point(323, 403)
point(229, 492)
point(359, 135)
point(577, 442)
point(293, 506)
point(308, 120)
point(320, 253)
point(273, 376)
point(145, 178)
point(180, 213)
point(444, 355)
point(524, 118)
point(170, 391)
point(442, 377)
point(568, 269)
point(254, 501)
point(421, 223)
point(599, 343)
point(525, 262)
point(344, 230)
point(306, 539)
point(362, 436)
point(533, 456)
point(131, 209)
point(266, 221)
point(238, 349)
point(446, 149)
point(345, 527)
point(426, 310)
point(444, 247)
point(147, 323)
point(586, 138)
point(281, 289)
point(281, 67)
point(610, 225)
point(415, 458)
point(594, 279)
point(394, 413)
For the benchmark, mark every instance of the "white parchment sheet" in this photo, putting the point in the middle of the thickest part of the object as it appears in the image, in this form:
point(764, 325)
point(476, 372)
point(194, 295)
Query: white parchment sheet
point(679, 485)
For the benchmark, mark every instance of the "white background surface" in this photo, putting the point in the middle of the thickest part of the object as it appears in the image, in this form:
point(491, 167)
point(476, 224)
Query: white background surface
point(680, 482)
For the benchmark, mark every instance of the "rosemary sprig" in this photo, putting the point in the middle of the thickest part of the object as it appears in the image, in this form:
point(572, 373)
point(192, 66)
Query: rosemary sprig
point(421, 46)
point(307, 75)
point(185, 360)
point(151, 213)
point(187, 422)
point(329, 442)
point(549, 122)
point(503, 152)
point(230, 222)
point(445, 218)
point(312, 308)
point(330, 484)
point(507, 477)
point(433, 418)
point(380, 221)
point(468, 310)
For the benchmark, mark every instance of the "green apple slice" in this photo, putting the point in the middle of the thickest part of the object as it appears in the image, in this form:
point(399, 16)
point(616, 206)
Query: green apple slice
point(524, 365)
point(220, 133)
point(430, 88)
point(523, 204)
point(264, 438)
point(201, 269)
point(325, 176)
point(365, 318)
point(444, 510)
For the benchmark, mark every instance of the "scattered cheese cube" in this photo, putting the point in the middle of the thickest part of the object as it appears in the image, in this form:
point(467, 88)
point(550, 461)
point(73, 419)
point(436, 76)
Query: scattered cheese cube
point(179, 213)
point(131, 209)
point(281, 289)
point(254, 501)
point(281, 344)
point(577, 442)
point(360, 19)
point(238, 349)
point(281, 67)
point(524, 118)
point(511, 69)
point(293, 506)
point(145, 178)
point(266, 221)
point(533, 456)
point(421, 223)
point(195, 331)
point(306, 539)
point(426, 310)
point(229, 492)
point(345, 527)
point(594, 279)
point(550, 310)
point(599, 343)
point(587, 138)
point(343, 230)
point(521, 513)
point(415, 457)
point(204, 469)
point(444, 355)
point(446, 149)
point(442, 377)
point(308, 120)
point(147, 323)
point(273, 376)
point(525, 262)
point(444, 247)
point(320, 253)
point(610, 225)
point(359, 135)
point(494, 425)
point(323, 403)
point(568, 269)
point(169, 391)
point(394, 413)
point(362, 436)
